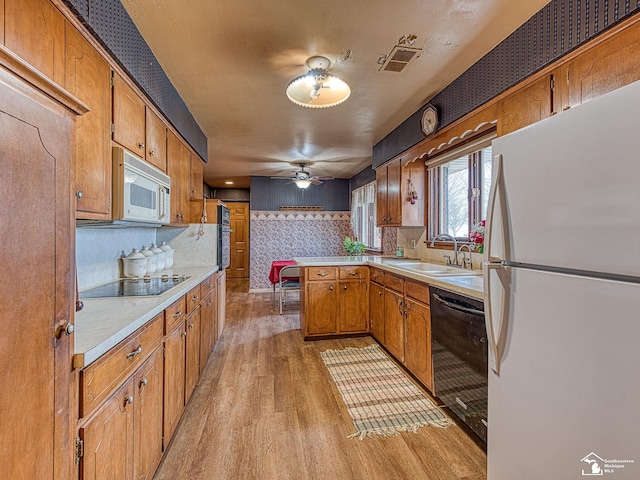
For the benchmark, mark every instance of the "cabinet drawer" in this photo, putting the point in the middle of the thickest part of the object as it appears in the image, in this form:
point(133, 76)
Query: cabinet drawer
point(207, 286)
point(394, 282)
point(99, 379)
point(174, 314)
point(417, 290)
point(321, 273)
point(376, 275)
point(357, 272)
point(192, 298)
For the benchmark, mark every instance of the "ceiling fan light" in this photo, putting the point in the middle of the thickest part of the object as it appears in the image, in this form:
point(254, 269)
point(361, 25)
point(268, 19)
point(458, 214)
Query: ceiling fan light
point(318, 88)
point(302, 183)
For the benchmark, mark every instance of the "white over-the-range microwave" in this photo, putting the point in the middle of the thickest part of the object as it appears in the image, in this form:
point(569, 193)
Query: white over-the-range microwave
point(141, 192)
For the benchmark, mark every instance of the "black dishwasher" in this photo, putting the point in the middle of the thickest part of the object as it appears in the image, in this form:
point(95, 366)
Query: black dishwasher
point(459, 350)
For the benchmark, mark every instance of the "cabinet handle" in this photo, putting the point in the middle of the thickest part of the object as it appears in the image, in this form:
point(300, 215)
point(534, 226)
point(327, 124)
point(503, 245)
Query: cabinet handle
point(194, 299)
point(137, 351)
point(400, 308)
point(65, 329)
point(79, 194)
point(152, 153)
point(129, 400)
point(331, 287)
point(177, 314)
point(141, 145)
point(379, 293)
point(353, 274)
point(191, 325)
point(344, 287)
point(143, 383)
point(323, 274)
point(184, 334)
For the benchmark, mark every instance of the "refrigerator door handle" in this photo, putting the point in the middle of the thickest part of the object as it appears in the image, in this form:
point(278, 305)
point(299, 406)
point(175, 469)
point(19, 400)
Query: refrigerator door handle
point(491, 263)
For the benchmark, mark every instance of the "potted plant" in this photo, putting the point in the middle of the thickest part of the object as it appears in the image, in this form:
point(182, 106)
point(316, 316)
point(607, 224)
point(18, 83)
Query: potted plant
point(352, 247)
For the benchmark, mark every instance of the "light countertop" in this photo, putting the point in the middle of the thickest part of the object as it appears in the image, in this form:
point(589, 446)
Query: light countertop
point(105, 322)
point(469, 285)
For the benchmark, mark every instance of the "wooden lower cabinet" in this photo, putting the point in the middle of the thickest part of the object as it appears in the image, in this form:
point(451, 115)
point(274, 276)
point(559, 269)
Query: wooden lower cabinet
point(321, 308)
point(394, 333)
point(147, 421)
point(417, 347)
point(221, 289)
point(174, 379)
point(108, 438)
point(123, 440)
point(376, 311)
point(208, 327)
point(335, 301)
point(192, 353)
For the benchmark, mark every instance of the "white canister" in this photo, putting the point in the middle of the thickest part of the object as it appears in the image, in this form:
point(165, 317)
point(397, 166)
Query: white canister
point(151, 260)
point(168, 250)
point(160, 257)
point(134, 264)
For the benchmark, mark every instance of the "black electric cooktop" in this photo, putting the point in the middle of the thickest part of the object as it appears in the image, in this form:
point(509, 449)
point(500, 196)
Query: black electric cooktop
point(135, 287)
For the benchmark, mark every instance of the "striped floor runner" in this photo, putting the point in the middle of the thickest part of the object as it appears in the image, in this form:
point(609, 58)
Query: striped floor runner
point(379, 397)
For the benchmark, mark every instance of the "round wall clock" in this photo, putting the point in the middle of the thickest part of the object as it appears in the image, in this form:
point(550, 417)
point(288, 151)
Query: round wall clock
point(429, 121)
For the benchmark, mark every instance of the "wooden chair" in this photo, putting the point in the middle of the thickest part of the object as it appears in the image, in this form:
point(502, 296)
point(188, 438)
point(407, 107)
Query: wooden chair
point(289, 280)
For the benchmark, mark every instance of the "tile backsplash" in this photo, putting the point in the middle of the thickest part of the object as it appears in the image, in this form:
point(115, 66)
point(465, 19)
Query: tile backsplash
point(413, 239)
point(98, 250)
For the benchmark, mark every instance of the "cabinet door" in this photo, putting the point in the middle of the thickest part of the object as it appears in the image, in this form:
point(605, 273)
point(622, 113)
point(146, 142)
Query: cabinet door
point(174, 373)
point(88, 78)
point(221, 288)
point(394, 200)
point(34, 30)
point(394, 323)
point(196, 181)
point(178, 161)
point(147, 383)
point(526, 106)
point(156, 140)
point(108, 438)
point(36, 238)
point(376, 311)
point(418, 344)
point(128, 117)
point(192, 365)
point(353, 306)
point(208, 330)
point(381, 196)
point(321, 308)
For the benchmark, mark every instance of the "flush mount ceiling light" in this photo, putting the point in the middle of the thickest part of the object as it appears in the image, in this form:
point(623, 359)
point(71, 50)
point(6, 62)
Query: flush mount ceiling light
point(318, 88)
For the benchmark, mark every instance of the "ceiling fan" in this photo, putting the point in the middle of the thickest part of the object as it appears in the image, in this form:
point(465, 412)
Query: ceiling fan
point(302, 178)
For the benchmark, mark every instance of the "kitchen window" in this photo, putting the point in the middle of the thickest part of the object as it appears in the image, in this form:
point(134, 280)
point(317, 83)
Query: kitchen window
point(363, 216)
point(459, 184)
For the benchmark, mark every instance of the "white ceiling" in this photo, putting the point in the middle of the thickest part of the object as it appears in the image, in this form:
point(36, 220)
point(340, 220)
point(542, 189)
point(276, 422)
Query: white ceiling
point(231, 61)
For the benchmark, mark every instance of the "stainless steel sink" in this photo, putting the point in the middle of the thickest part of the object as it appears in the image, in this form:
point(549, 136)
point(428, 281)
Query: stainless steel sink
point(435, 270)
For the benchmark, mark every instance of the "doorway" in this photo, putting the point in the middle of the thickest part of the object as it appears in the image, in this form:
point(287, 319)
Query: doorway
point(239, 248)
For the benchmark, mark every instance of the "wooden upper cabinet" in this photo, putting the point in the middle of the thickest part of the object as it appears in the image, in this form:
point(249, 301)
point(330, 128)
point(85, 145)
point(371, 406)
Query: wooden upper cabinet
point(197, 177)
point(178, 164)
point(605, 67)
point(156, 140)
point(526, 106)
point(34, 30)
point(128, 117)
point(88, 78)
point(393, 204)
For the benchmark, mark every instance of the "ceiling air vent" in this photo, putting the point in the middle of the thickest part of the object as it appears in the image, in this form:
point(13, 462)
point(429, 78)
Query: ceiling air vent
point(398, 59)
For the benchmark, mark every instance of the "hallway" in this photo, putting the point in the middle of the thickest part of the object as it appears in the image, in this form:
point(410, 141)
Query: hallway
point(265, 408)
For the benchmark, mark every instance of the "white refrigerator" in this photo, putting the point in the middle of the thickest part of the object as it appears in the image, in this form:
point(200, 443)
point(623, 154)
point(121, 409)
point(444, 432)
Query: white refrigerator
point(562, 295)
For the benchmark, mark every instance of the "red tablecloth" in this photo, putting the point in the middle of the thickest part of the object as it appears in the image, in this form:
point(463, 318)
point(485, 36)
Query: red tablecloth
point(276, 266)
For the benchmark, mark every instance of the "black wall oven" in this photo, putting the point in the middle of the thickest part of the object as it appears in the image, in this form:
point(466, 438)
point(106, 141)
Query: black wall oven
point(459, 349)
point(224, 237)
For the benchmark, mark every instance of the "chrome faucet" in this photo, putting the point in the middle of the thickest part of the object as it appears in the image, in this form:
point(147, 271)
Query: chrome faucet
point(455, 249)
point(464, 257)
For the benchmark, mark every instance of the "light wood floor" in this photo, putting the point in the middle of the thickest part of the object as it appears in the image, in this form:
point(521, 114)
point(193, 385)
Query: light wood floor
point(265, 408)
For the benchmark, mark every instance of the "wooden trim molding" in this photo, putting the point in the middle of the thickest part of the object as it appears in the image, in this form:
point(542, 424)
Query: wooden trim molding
point(33, 77)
